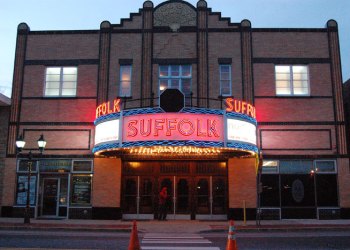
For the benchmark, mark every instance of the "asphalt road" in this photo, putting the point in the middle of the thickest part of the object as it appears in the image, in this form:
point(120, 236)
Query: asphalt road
point(209, 241)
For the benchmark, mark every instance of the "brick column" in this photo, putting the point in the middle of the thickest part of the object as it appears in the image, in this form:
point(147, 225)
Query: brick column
point(247, 72)
point(103, 71)
point(16, 99)
point(202, 53)
point(242, 187)
point(337, 83)
point(147, 51)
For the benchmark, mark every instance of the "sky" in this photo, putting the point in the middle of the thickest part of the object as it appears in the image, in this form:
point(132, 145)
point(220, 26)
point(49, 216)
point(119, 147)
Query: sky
point(41, 15)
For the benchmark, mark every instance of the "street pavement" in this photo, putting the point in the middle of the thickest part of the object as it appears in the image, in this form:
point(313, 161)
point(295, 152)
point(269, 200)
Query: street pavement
point(172, 226)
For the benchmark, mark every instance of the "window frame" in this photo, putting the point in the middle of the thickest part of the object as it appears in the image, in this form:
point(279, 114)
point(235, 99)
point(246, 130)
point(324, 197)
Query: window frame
point(266, 172)
point(61, 82)
point(325, 172)
point(221, 80)
point(169, 77)
point(291, 80)
point(121, 81)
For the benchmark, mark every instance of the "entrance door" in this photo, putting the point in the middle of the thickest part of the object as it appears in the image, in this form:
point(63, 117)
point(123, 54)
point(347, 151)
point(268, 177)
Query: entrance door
point(210, 197)
point(50, 197)
point(179, 196)
point(196, 190)
point(138, 197)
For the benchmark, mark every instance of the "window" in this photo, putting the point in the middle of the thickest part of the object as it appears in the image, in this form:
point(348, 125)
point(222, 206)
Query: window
point(325, 166)
point(292, 80)
point(125, 81)
point(270, 166)
point(61, 81)
point(81, 189)
point(225, 80)
point(175, 76)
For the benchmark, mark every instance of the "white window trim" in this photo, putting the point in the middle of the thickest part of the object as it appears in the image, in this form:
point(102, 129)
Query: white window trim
point(230, 72)
point(61, 82)
point(292, 81)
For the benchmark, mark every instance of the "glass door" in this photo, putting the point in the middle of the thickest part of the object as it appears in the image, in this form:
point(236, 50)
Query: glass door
point(50, 196)
point(203, 195)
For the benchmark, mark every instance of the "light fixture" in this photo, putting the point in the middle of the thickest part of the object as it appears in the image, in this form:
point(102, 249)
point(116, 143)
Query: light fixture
point(41, 143)
point(20, 143)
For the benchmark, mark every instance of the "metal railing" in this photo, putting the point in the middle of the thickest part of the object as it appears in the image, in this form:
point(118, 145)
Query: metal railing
point(190, 101)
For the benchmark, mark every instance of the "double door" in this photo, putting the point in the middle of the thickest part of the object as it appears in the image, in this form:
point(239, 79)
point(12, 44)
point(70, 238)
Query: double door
point(190, 196)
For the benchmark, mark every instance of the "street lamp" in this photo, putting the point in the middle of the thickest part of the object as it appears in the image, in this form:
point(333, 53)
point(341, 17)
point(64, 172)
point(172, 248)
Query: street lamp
point(20, 142)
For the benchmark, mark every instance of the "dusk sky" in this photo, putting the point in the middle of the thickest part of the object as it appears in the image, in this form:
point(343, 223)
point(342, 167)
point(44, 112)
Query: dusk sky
point(43, 15)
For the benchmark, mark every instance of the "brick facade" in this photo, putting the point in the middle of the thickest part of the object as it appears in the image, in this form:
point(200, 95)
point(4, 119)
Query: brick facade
point(299, 128)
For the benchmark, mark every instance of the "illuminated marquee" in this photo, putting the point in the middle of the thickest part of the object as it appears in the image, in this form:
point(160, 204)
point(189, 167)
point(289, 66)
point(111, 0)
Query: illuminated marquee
point(173, 126)
point(151, 129)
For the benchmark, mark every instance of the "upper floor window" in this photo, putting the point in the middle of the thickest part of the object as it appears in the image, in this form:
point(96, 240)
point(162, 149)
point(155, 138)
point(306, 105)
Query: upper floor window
point(125, 80)
point(292, 80)
point(61, 81)
point(225, 80)
point(175, 76)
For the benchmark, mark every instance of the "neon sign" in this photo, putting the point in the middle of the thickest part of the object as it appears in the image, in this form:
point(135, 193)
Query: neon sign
point(106, 108)
point(173, 126)
point(240, 107)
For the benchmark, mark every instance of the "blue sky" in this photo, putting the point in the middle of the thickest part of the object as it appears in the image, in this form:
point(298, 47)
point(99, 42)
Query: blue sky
point(88, 14)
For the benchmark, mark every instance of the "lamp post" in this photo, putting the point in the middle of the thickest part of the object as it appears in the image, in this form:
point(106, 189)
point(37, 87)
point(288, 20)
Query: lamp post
point(20, 145)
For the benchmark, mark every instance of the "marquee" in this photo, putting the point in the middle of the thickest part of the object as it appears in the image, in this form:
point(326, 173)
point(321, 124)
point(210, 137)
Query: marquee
point(232, 128)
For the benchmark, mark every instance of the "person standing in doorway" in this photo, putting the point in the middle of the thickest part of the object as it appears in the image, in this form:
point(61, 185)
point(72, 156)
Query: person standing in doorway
point(163, 197)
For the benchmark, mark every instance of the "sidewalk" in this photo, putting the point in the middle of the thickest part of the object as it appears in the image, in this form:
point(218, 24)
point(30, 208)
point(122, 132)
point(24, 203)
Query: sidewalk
point(174, 226)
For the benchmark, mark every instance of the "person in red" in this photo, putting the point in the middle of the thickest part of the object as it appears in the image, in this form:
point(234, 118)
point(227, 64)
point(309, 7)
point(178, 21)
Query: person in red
point(163, 196)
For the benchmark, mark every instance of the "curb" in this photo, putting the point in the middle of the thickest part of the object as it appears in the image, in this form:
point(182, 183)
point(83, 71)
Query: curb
point(66, 227)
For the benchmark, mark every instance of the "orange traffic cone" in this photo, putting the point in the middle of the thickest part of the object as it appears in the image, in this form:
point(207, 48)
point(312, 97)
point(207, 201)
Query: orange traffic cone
point(134, 243)
point(231, 237)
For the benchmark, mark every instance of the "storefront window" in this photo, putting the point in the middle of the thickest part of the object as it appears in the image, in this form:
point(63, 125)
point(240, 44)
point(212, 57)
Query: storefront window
point(295, 167)
point(22, 187)
point(81, 190)
point(270, 196)
point(326, 189)
point(297, 190)
point(82, 166)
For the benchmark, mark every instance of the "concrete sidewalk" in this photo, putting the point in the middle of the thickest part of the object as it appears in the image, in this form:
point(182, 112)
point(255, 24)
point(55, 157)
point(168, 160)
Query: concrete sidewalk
point(171, 226)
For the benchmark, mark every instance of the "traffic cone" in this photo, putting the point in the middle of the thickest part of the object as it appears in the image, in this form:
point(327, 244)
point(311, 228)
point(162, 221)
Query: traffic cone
point(231, 237)
point(134, 243)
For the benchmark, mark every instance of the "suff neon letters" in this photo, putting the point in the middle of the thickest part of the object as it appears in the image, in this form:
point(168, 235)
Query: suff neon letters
point(105, 108)
point(173, 127)
point(238, 106)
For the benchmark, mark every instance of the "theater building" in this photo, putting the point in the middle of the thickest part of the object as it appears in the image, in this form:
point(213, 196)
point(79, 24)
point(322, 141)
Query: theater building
point(232, 119)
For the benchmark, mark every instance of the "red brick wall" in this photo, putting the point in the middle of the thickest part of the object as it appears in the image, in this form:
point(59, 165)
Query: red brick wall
point(231, 48)
point(242, 182)
point(290, 44)
point(106, 182)
point(62, 46)
point(125, 46)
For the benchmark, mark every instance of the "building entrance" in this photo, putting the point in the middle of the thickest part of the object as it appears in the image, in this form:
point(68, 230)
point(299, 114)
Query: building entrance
point(53, 193)
point(196, 190)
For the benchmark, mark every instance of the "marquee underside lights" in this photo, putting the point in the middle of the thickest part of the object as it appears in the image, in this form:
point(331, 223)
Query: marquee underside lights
point(193, 131)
